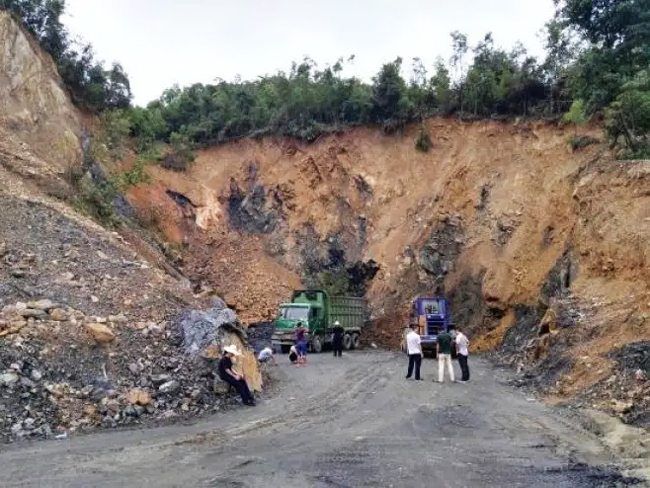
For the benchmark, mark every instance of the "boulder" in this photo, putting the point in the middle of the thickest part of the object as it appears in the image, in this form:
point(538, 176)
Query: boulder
point(58, 314)
point(170, 387)
point(9, 378)
point(101, 333)
point(44, 305)
point(33, 312)
point(139, 397)
point(621, 407)
point(549, 322)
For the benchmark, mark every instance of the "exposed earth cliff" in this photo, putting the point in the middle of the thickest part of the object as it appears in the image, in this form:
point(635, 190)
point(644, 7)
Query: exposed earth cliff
point(541, 249)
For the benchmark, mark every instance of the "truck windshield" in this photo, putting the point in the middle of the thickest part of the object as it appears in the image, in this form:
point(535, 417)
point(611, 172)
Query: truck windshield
point(430, 307)
point(294, 313)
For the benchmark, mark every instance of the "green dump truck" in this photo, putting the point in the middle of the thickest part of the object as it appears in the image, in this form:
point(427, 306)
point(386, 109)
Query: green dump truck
point(318, 311)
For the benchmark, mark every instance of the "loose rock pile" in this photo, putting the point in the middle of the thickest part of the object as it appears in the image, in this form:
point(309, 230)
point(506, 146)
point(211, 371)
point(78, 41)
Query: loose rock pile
point(91, 335)
point(62, 371)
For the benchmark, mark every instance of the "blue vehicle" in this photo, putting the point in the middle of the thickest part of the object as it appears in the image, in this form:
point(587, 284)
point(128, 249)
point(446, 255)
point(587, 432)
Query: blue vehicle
point(433, 315)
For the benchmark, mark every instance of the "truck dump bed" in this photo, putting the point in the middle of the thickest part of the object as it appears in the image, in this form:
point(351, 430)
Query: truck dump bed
point(351, 312)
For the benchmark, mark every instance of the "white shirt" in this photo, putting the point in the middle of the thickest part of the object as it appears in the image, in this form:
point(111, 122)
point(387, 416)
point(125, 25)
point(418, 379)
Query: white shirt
point(413, 343)
point(462, 343)
point(265, 354)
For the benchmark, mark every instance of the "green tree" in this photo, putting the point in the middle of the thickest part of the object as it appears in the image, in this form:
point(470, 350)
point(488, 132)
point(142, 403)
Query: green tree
point(389, 103)
point(441, 86)
point(618, 37)
point(628, 117)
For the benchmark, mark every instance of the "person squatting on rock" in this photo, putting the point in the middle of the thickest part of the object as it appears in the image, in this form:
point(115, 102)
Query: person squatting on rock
point(443, 349)
point(337, 339)
point(414, 349)
point(293, 355)
point(266, 355)
point(230, 376)
point(462, 349)
point(301, 343)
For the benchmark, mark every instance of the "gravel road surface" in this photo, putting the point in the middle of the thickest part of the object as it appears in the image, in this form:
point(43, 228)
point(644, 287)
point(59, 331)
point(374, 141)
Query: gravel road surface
point(346, 422)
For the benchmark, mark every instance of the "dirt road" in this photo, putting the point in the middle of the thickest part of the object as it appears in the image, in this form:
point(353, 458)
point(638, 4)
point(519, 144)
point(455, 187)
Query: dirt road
point(341, 423)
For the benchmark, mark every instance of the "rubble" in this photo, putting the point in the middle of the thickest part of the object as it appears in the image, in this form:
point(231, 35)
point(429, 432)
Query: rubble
point(89, 343)
point(168, 378)
point(100, 333)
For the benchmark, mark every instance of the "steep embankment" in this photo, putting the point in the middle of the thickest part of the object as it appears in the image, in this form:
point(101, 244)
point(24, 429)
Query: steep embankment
point(95, 328)
point(541, 249)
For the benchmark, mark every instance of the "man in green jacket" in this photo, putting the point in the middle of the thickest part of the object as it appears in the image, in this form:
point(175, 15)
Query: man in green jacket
point(443, 348)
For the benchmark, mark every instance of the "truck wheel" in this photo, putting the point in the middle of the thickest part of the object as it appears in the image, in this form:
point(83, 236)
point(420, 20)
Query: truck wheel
point(347, 342)
point(355, 341)
point(317, 345)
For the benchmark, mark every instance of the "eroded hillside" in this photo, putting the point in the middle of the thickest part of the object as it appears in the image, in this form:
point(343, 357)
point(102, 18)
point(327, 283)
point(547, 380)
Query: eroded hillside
point(541, 249)
point(97, 329)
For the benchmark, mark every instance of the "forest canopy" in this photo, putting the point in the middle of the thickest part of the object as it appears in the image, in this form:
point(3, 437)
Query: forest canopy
point(596, 64)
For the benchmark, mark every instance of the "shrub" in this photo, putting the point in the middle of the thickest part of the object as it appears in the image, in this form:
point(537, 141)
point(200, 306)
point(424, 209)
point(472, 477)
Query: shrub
point(96, 200)
point(109, 142)
point(580, 142)
point(175, 162)
point(423, 141)
point(135, 176)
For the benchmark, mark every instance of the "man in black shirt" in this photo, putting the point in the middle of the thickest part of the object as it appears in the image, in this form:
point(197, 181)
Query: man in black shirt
point(337, 340)
point(230, 376)
point(443, 348)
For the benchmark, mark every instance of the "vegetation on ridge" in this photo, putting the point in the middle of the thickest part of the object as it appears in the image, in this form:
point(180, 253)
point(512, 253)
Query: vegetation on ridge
point(597, 53)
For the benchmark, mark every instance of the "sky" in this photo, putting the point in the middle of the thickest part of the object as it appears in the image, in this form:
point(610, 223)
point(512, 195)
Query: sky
point(163, 42)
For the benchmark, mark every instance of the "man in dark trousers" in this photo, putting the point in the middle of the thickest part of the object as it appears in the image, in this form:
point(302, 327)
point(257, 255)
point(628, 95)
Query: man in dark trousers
point(414, 349)
point(230, 376)
point(337, 340)
point(462, 348)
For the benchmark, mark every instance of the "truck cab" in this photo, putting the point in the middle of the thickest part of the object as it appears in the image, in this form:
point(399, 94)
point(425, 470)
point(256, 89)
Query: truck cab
point(432, 314)
point(288, 317)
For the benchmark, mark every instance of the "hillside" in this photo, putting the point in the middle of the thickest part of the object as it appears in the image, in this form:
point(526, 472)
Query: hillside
point(97, 329)
point(541, 249)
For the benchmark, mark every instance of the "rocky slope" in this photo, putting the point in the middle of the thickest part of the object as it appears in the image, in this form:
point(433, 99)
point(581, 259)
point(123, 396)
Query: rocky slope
point(96, 328)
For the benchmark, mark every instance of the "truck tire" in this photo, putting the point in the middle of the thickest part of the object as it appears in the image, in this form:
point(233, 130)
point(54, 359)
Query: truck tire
point(317, 345)
point(355, 341)
point(347, 342)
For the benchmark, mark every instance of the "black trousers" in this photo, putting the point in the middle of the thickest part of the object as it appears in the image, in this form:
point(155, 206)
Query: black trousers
point(337, 346)
point(462, 360)
point(241, 387)
point(415, 360)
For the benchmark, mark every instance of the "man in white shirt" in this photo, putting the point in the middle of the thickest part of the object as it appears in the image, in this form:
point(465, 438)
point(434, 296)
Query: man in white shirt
point(414, 351)
point(462, 348)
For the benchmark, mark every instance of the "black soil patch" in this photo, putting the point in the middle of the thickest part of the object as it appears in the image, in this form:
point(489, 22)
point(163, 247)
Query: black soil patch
point(248, 210)
point(561, 276)
point(467, 304)
point(439, 254)
point(325, 265)
point(634, 356)
point(525, 328)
